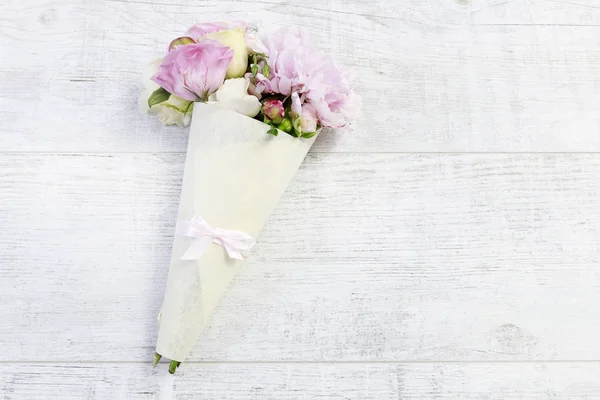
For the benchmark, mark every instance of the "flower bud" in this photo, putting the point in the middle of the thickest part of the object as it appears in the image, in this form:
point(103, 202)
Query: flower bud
point(273, 111)
point(309, 119)
point(266, 71)
point(285, 125)
point(181, 41)
point(306, 124)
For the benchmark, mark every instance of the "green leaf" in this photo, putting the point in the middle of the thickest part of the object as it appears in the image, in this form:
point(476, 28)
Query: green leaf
point(308, 135)
point(160, 95)
point(273, 131)
point(189, 108)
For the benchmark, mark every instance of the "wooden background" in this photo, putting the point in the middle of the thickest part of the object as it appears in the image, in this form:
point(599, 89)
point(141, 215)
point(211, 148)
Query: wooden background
point(447, 248)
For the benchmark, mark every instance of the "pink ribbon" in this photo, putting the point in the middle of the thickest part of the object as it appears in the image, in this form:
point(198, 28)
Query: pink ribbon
point(203, 234)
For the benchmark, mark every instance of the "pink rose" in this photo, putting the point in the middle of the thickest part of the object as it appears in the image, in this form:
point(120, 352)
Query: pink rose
point(201, 30)
point(232, 35)
point(194, 71)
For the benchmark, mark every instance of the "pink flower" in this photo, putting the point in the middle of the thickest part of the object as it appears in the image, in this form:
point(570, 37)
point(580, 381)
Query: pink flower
point(273, 110)
point(201, 30)
point(309, 76)
point(232, 35)
point(194, 71)
point(309, 119)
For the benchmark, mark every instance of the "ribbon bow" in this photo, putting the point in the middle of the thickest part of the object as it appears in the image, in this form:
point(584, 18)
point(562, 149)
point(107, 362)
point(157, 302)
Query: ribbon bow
point(234, 242)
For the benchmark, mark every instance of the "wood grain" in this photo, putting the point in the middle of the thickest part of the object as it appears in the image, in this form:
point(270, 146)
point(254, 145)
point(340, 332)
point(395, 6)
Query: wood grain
point(434, 76)
point(302, 381)
point(383, 274)
point(398, 257)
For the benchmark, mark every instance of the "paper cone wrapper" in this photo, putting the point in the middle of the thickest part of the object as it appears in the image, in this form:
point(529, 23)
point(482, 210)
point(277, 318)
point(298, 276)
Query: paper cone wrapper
point(235, 173)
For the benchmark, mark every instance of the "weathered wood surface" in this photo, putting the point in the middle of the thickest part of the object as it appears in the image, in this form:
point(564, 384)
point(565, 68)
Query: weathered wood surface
point(385, 273)
point(398, 257)
point(434, 75)
point(386, 381)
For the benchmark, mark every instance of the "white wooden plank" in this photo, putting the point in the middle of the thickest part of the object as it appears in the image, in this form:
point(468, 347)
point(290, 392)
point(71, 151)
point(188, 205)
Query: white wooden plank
point(368, 257)
point(302, 381)
point(532, 12)
point(432, 75)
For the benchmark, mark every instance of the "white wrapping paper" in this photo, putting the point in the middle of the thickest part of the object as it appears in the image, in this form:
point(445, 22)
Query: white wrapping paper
point(235, 173)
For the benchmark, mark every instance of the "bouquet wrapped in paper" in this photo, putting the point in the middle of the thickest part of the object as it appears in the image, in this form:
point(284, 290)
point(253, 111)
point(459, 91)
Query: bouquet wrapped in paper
point(255, 106)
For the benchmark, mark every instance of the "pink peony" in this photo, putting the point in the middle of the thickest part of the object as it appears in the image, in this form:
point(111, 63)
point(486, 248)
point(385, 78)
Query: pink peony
point(194, 71)
point(300, 70)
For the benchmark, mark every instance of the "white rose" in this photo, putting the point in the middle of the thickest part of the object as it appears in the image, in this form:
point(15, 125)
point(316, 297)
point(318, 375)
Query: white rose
point(174, 111)
point(233, 94)
point(235, 39)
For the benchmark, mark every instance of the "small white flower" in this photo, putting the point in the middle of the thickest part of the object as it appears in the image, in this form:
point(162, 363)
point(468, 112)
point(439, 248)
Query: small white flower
point(174, 111)
point(234, 95)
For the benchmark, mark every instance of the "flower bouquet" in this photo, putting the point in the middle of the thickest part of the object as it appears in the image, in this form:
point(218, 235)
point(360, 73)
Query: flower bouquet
point(256, 105)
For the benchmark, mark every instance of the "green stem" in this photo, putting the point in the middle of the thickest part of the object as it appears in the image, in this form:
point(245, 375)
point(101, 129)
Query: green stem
point(157, 358)
point(173, 366)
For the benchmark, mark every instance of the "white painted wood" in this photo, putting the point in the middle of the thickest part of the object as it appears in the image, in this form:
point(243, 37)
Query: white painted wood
point(434, 76)
point(446, 262)
point(572, 13)
point(302, 381)
point(397, 257)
